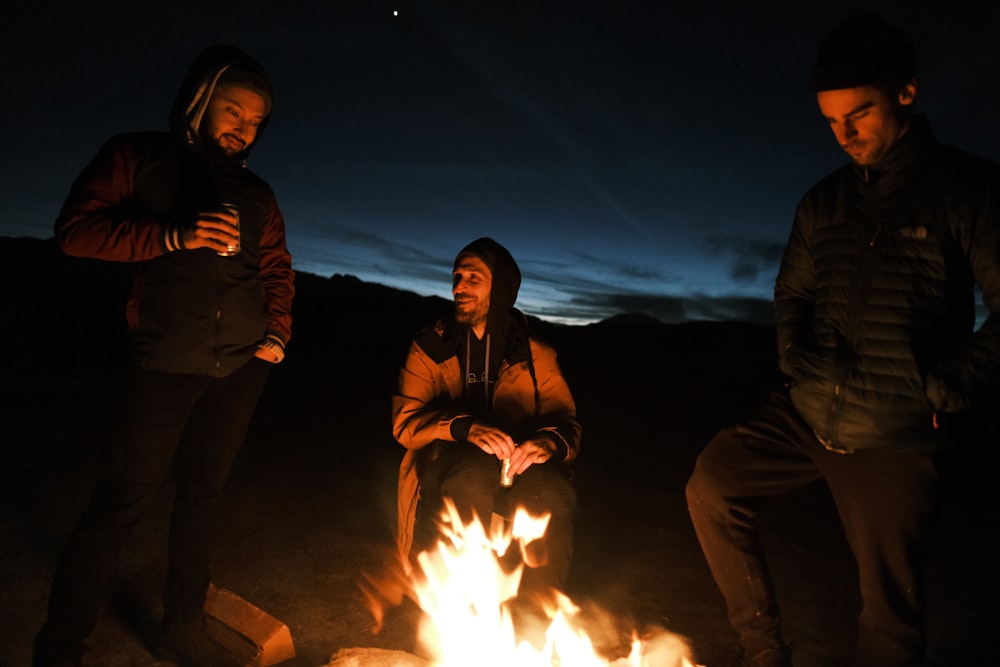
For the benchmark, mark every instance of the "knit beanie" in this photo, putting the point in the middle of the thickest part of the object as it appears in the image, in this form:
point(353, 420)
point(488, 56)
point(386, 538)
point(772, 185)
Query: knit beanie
point(863, 51)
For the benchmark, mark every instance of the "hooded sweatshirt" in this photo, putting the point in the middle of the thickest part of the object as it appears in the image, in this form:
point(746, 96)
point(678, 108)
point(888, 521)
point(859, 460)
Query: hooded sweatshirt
point(528, 397)
point(481, 358)
point(189, 311)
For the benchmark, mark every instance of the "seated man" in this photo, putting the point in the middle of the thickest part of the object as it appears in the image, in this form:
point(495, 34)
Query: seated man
point(478, 390)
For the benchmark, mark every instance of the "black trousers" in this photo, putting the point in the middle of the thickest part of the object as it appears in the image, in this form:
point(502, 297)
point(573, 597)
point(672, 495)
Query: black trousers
point(192, 424)
point(470, 478)
point(884, 499)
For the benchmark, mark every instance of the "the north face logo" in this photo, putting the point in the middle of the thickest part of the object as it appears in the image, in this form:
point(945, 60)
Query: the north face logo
point(918, 232)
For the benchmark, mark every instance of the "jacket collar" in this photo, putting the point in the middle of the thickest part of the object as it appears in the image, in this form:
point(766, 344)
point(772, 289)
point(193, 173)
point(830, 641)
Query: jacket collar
point(908, 151)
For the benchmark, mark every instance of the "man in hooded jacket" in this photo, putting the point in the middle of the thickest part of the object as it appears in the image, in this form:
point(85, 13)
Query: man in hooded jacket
point(478, 389)
point(209, 313)
point(874, 303)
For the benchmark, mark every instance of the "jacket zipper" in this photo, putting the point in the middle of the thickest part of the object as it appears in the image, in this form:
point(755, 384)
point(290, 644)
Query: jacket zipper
point(855, 305)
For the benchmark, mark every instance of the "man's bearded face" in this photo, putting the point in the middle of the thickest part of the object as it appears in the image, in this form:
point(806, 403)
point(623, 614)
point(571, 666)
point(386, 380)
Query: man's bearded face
point(234, 113)
point(470, 286)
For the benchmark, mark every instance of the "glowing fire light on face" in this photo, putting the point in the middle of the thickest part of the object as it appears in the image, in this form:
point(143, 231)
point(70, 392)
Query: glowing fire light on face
point(463, 588)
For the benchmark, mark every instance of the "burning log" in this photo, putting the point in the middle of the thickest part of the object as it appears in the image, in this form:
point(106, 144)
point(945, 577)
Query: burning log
point(251, 635)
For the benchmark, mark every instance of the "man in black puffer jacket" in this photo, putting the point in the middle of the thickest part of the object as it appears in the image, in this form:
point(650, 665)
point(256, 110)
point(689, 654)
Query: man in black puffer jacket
point(209, 313)
point(874, 304)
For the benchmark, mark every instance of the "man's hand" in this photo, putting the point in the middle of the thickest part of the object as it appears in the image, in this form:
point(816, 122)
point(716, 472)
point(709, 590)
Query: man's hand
point(799, 360)
point(213, 229)
point(491, 440)
point(522, 456)
point(267, 355)
point(530, 452)
point(949, 387)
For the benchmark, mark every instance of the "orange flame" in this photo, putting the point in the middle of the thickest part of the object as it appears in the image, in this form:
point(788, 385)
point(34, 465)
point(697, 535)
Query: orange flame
point(463, 590)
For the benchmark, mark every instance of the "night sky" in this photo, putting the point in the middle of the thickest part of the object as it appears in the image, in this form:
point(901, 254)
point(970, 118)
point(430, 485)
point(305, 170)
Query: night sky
point(633, 156)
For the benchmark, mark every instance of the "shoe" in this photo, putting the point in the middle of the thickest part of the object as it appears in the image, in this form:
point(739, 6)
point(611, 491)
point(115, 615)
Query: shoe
point(769, 657)
point(188, 645)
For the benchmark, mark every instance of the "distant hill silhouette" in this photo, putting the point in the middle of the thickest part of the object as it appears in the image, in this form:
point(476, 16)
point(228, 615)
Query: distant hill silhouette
point(631, 374)
point(84, 298)
point(628, 373)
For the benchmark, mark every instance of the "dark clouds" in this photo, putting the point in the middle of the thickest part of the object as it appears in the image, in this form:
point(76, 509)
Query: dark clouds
point(632, 155)
point(676, 310)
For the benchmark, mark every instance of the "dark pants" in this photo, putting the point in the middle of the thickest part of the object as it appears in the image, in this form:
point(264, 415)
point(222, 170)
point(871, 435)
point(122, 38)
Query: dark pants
point(471, 479)
point(195, 424)
point(884, 499)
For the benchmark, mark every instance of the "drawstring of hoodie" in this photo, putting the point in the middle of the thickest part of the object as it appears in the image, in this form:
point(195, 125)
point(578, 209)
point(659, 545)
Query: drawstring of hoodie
point(486, 366)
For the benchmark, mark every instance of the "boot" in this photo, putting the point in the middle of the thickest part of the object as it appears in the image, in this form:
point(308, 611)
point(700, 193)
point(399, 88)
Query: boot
point(186, 642)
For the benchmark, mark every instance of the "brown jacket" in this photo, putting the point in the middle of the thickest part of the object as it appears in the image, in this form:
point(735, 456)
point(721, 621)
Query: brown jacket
point(427, 401)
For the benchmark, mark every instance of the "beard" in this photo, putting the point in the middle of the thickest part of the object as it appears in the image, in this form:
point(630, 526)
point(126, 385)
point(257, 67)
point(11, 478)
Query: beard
point(869, 152)
point(219, 143)
point(225, 147)
point(471, 317)
point(865, 154)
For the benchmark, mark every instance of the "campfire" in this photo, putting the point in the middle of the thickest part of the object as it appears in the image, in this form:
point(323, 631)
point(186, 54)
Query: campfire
point(464, 590)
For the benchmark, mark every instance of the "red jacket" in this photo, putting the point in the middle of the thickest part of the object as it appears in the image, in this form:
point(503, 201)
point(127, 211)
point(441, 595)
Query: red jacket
point(189, 311)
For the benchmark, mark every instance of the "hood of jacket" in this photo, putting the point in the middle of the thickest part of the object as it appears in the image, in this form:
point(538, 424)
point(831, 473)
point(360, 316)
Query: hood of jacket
point(506, 278)
point(506, 325)
point(200, 82)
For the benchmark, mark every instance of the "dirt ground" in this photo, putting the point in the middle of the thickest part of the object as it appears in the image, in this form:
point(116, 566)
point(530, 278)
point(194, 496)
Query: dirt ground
point(311, 498)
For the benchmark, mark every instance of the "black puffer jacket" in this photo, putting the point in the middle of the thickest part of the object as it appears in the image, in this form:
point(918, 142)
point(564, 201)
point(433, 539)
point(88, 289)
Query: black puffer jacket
point(876, 292)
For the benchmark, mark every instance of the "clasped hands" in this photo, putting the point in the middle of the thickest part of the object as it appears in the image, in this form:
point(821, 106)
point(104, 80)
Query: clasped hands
point(495, 441)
